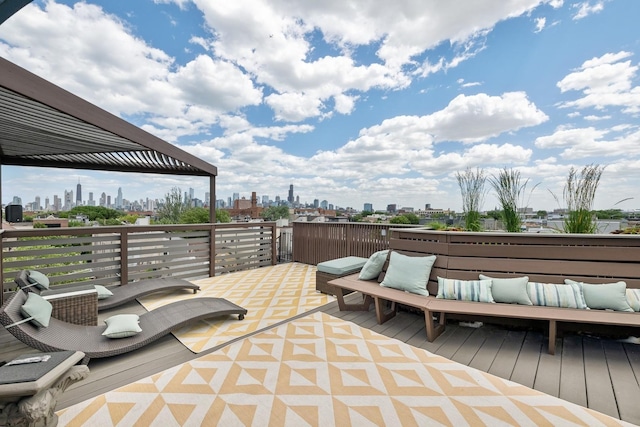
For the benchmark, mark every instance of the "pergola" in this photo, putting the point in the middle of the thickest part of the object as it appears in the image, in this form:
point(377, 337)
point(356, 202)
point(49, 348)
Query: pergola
point(43, 125)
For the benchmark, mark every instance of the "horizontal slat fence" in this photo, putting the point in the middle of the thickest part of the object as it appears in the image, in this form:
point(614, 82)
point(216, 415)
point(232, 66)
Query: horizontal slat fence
point(317, 242)
point(591, 258)
point(94, 254)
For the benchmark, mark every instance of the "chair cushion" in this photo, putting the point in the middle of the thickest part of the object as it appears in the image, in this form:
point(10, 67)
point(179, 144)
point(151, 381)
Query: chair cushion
point(556, 295)
point(342, 266)
point(511, 291)
point(373, 267)
point(103, 293)
point(38, 279)
point(408, 273)
point(607, 296)
point(465, 290)
point(122, 326)
point(38, 309)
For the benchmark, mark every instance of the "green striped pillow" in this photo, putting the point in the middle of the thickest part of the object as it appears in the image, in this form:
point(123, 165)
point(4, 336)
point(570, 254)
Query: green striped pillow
point(633, 298)
point(554, 295)
point(465, 290)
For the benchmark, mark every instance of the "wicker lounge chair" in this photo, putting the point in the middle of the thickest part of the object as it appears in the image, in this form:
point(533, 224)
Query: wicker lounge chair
point(121, 294)
point(155, 324)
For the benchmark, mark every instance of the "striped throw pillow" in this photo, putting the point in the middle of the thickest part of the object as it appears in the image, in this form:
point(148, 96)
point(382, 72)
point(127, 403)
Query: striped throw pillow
point(465, 290)
point(554, 295)
point(633, 298)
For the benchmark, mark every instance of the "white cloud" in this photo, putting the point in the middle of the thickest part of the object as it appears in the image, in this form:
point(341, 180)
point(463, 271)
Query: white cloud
point(586, 8)
point(540, 23)
point(588, 142)
point(604, 81)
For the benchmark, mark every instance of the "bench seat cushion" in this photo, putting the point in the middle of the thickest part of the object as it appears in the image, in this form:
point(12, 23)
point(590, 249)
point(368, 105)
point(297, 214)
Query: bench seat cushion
point(342, 266)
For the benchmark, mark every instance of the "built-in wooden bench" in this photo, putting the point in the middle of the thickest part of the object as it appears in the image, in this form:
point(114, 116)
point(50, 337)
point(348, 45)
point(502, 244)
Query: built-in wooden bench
point(544, 258)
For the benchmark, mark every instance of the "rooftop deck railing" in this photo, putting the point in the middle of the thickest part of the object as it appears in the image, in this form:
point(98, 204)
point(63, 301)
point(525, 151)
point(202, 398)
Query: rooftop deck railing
point(316, 242)
point(96, 254)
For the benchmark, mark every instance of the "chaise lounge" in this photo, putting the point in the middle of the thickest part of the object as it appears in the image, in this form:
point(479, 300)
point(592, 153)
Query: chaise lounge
point(59, 335)
point(121, 294)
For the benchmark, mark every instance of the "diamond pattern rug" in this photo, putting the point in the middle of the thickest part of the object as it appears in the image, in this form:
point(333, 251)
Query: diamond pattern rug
point(270, 294)
point(323, 371)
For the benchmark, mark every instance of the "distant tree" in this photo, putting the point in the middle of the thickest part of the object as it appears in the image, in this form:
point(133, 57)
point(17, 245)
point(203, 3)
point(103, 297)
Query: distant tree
point(542, 214)
point(172, 207)
point(222, 216)
point(194, 216)
point(94, 212)
point(413, 218)
point(400, 219)
point(495, 214)
point(130, 219)
point(273, 213)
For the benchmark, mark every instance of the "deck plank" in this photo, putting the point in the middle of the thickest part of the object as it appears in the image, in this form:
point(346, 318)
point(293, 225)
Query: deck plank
point(455, 342)
point(572, 379)
point(626, 392)
point(471, 346)
point(549, 370)
point(507, 355)
point(487, 352)
point(526, 367)
point(600, 395)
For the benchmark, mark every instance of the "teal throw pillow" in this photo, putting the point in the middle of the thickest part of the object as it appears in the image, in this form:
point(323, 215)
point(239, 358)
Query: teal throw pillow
point(38, 279)
point(122, 326)
point(465, 290)
point(607, 296)
point(37, 309)
point(510, 291)
point(556, 295)
point(103, 293)
point(373, 267)
point(408, 273)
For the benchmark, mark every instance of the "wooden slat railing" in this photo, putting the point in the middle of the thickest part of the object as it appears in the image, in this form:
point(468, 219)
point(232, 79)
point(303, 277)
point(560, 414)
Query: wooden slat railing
point(316, 242)
point(95, 254)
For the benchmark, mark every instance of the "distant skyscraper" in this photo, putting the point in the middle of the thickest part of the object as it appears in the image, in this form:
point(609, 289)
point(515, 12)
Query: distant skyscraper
point(78, 194)
point(91, 202)
point(290, 199)
point(108, 201)
point(103, 199)
point(236, 196)
point(324, 204)
point(368, 207)
point(316, 203)
point(265, 200)
point(191, 194)
point(46, 204)
point(68, 200)
point(17, 201)
point(36, 204)
point(207, 198)
point(119, 199)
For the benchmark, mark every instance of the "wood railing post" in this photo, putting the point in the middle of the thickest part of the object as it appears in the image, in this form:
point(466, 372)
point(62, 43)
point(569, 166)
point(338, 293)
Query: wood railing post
point(124, 257)
point(274, 244)
point(212, 250)
point(348, 237)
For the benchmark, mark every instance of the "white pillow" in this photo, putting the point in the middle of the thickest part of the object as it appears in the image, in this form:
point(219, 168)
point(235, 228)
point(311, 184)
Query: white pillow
point(103, 293)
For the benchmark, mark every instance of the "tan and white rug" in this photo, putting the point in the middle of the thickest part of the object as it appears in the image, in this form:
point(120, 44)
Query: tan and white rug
point(270, 294)
point(323, 371)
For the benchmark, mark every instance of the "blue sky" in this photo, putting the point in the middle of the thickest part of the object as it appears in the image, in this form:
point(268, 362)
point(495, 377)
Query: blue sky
point(351, 102)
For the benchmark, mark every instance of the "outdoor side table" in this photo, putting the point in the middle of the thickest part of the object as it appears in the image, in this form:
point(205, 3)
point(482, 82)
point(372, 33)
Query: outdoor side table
point(29, 392)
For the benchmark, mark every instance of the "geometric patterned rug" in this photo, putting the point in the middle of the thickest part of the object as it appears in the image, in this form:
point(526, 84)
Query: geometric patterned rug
point(319, 370)
point(270, 294)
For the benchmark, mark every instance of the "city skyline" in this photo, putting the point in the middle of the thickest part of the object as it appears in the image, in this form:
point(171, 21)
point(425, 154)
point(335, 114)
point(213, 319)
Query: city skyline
point(381, 104)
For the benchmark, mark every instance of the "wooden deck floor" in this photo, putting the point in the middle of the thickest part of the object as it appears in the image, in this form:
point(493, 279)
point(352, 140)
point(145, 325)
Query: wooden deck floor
point(597, 373)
